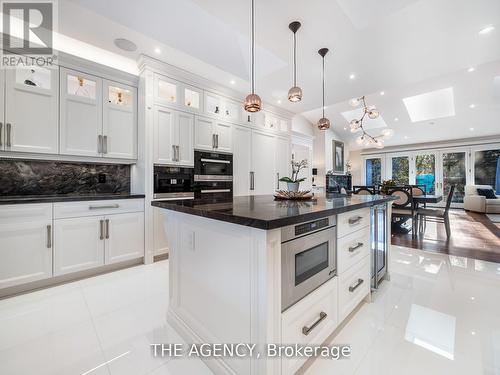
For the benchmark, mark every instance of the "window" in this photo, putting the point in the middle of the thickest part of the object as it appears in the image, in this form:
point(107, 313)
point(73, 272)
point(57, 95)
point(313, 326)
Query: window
point(401, 170)
point(373, 171)
point(485, 167)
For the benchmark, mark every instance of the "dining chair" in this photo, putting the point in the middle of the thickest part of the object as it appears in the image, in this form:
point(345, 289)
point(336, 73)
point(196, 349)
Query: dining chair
point(439, 215)
point(403, 208)
point(363, 190)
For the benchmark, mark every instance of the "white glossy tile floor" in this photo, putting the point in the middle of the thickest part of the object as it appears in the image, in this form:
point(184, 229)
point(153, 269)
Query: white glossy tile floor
point(438, 314)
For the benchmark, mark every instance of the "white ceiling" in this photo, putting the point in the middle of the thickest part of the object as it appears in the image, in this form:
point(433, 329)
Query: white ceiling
point(404, 47)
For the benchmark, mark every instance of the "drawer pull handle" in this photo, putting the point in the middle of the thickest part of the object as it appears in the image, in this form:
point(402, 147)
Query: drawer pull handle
point(307, 330)
point(355, 220)
point(104, 207)
point(353, 288)
point(357, 246)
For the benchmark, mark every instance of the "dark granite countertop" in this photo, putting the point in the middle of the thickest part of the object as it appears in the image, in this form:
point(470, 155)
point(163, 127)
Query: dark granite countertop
point(264, 212)
point(64, 198)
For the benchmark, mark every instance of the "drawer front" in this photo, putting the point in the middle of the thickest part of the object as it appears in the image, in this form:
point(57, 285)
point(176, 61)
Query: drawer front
point(352, 221)
point(22, 213)
point(352, 248)
point(97, 208)
point(310, 321)
point(354, 285)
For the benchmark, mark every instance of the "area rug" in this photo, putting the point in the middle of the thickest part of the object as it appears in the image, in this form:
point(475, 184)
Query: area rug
point(495, 218)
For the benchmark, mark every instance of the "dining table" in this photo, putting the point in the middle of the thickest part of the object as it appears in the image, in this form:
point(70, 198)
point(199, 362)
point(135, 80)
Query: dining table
point(428, 198)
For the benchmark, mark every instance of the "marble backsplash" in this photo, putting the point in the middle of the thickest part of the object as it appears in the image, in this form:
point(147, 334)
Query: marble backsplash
point(35, 177)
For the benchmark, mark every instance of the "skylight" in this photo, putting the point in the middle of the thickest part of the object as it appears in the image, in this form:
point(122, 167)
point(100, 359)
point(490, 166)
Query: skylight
point(431, 105)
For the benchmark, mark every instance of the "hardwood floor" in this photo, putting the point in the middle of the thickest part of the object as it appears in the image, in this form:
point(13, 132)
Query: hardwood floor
point(473, 235)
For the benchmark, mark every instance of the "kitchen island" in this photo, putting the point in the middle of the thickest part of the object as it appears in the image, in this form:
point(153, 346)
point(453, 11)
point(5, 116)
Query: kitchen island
point(233, 279)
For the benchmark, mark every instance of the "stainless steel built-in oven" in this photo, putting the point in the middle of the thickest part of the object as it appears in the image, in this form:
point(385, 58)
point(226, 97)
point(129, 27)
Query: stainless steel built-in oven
point(308, 258)
point(173, 182)
point(213, 189)
point(213, 166)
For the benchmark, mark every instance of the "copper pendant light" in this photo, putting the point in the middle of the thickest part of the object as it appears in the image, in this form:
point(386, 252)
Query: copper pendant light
point(253, 103)
point(323, 123)
point(295, 93)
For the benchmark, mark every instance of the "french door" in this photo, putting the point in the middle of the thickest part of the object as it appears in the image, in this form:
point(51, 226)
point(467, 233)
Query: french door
point(454, 169)
point(373, 169)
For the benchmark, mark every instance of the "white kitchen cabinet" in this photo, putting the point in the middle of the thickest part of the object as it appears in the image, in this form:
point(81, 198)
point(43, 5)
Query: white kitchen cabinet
point(163, 137)
point(263, 163)
point(78, 244)
point(193, 98)
point(25, 243)
point(213, 104)
point(212, 135)
point(173, 137)
point(124, 234)
point(204, 134)
point(232, 110)
point(184, 135)
point(80, 114)
point(166, 90)
point(282, 160)
point(119, 128)
point(223, 137)
point(242, 160)
point(160, 243)
point(31, 110)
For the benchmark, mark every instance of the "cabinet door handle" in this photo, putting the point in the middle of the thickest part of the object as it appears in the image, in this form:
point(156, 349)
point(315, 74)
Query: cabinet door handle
point(101, 229)
point(307, 330)
point(252, 180)
point(277, 181)
point(103, 207)
point(355, 220)
point(107, 228)
point(1, 128)
point(354, 287)
point(174, 151)
point(8, 135)
point(213, 140)
point(49, 236)
point(99, 144)
point(355, 247)
point(178, 152)
point(105, 144)
point(217, 141)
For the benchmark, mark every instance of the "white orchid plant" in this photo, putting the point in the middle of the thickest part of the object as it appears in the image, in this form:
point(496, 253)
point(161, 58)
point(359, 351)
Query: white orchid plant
point(297, 166)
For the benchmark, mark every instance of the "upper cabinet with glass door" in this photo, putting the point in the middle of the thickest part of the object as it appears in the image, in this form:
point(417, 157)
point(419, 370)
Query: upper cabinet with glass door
point(119, 130)
point(81, 114)
point(31, 110)
point(177, 94)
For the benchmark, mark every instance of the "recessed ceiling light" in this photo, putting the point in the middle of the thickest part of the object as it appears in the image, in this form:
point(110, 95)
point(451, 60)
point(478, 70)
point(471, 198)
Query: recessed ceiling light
point(279, 101)
point(157, 50)
point(486, 30)
point(352, 76)
point(473, 333)
point(382, 93)
point(431, 105)
point(125, 44)
point(396, 119)
point(406, 137)
point(471, 106)
point(471, 129)
point(471, 69)
point(232, 82)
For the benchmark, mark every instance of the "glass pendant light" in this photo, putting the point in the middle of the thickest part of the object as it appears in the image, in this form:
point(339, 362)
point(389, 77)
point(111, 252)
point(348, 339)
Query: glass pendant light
point(253, 103)
point(295, 93)
point(323, 122)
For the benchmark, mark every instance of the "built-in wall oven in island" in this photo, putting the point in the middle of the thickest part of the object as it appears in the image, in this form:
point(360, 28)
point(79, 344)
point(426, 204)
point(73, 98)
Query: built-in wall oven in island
point(308, 258)
point(173, 182)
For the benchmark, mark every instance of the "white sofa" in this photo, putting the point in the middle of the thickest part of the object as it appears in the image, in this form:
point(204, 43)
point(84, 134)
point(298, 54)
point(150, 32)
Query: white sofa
point(478, 203)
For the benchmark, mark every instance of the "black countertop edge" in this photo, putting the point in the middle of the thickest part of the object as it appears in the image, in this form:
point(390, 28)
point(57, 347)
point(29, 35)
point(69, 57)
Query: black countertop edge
point(65, 198)
point(260, 223)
